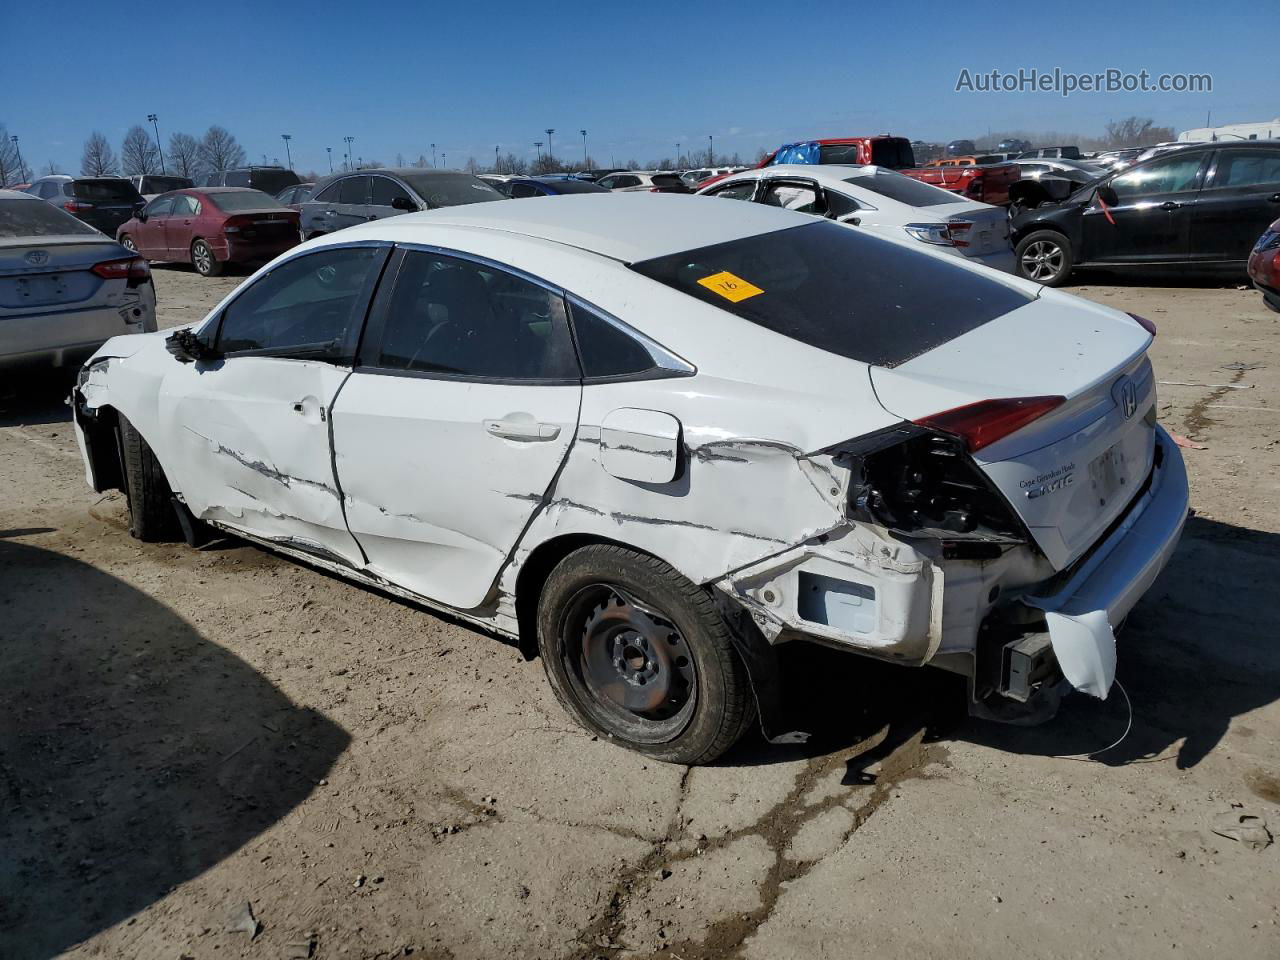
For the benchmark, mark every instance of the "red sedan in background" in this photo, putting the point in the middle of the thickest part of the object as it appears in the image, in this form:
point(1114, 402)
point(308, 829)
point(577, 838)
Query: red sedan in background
point(210, 227)
point(1264, 266)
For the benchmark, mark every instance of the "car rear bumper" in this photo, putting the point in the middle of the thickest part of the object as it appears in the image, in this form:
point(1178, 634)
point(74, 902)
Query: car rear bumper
point(59, 339)
point(1003, 260)
point(251, 251)
point(1082, 613)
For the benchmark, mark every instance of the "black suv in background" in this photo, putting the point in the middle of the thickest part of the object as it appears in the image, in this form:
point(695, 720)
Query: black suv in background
point(270, 180)
point(1198, 209)
point(102, 202)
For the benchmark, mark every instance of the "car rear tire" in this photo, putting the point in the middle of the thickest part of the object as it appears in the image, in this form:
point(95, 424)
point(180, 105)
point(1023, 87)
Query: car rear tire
point(202, 258)
point(126, 241)
point(640, 655)
point(1045, 257)
point(152, 518)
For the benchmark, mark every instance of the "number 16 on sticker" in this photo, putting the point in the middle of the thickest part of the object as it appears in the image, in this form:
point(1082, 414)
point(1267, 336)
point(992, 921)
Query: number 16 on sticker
point(730, 286)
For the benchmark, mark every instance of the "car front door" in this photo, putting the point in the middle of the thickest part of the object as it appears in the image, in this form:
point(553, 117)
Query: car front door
point(180, 227)
point(1240, 199)
point(387, 198)
point(455, 422)
point(1151, 222)
point(247, 434)
point(802, 196)
point(148, 234)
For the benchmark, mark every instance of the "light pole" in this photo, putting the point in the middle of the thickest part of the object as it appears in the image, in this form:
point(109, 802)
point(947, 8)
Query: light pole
point(286, 137)
point(495, 159)
point(22, 167)
point(444, 159)
point(156, 123)
point(433, 155)
point(585, 159)
point(537, 149)
point(550, 154)
point(348, 141)
point(711, 150)
point(677, 156)
point(329, 151)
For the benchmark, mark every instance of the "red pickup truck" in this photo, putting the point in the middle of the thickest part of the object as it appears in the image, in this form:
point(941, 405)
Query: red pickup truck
point(988, 183)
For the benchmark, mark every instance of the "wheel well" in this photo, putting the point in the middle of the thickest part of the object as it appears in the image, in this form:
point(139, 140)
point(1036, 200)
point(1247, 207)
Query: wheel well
point(534, 572)
point(103, 449)
point(1037, 228)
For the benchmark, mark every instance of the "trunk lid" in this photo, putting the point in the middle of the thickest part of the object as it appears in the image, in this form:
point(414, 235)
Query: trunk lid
point(989, 233)
point(1071, 472)
point(62, 274)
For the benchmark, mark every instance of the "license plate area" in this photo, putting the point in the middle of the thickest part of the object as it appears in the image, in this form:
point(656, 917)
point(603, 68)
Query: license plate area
point(1106, 474)
point(36, 291)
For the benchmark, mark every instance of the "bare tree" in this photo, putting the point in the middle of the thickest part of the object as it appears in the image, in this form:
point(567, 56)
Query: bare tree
point(11, 171)
point(421, 162)
point(138, 152)
point(98, 159)
point(1136, 132)
point(51, 168)
point(399, 159)
point(546, 163)
point(184, 155)
point(472, 166)
point(511, 165)
point(219, 150)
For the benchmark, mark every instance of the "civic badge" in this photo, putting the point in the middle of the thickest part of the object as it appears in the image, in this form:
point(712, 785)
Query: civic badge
point(1128, 399)
point(37, 258)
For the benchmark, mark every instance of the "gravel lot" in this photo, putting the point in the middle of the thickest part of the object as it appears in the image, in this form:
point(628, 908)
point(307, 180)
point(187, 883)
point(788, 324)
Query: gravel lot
point(187, 732)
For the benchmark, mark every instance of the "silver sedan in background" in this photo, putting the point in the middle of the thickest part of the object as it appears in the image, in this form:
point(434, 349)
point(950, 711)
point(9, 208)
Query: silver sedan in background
point(65, 288)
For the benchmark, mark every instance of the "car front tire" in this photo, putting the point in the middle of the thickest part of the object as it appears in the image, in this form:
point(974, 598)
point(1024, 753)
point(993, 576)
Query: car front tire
point(152, 518)
point(1045, 257)
point(640, 655)
point(202, 258)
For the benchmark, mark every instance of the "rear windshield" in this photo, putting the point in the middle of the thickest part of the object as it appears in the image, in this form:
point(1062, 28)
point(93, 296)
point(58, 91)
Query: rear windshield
point(245, 200)
point(895, 154)
point(269, 181)
point(575, 186)
point(104, 191)
point(451, 189)
point(153, 184)
point(904, 189)
point(840, 290)
point(35, 218)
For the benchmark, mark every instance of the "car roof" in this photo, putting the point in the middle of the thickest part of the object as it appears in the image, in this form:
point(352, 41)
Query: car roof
point(622, 226)
point(221, 189)
point(18, 195)
point(829, 174)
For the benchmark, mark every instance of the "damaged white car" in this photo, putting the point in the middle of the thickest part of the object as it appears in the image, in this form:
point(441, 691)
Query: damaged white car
point(658, 437)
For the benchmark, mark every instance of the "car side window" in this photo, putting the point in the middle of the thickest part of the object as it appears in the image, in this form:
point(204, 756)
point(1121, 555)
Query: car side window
point(743, 190)
point(316, 300)
point(354, 190)
point(1247, 168)
point(160, 207)
point(1172, 174)
point(519, 190)
point(329, 194)
point(453, 317)
point(608, 182)
point(386, 190)
point(185, 205)
point(48, 189)
point(793, 196)
point(606, 349)
point(839, 205)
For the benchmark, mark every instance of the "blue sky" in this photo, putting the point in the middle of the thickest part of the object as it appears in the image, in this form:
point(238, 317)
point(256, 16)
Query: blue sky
point(467, 77)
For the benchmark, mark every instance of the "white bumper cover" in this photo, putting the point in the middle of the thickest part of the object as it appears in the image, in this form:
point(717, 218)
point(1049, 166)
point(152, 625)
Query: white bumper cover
point(1082, 616)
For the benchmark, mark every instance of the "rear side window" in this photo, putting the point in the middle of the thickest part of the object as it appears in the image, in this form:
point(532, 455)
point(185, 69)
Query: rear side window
point(896, 154)
point(329, 194)
point(1247, 168)
point(458, 318)
point(354, 190)
point(606, 349)
point(236, 178)
point(904, 189)
point(743, 190)
point(106, 191)
point(31, 218)
point(839, 290)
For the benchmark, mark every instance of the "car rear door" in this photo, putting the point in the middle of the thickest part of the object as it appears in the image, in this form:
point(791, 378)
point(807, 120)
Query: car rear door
point(1151, 223)
point(1240, 199)
point(455, 422)
point(246, 438)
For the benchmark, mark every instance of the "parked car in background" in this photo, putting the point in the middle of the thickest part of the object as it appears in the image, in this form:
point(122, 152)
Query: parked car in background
point(653, 181)
point(988, 183)
point(1116, 159)
point(880, 201)
point(960, 148)
point(1198, 209)
point(1013, 146)
point(293, 197)
point(1067, 153)
point(967, 161)
point(102, 202)
point(496, 180)
point(346, 199)
point(695, 178)
point(65, 289)
point(1042, 181)
point(1264, 266)
point(551, 186)
point(268, 179)
point(212, 227)
point(893, 153)
point(656, 437)
point(1166, 146)
point(151, 185)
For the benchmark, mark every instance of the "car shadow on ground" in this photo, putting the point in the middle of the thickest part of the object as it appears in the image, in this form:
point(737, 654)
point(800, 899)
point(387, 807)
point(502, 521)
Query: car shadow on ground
point(33, 399)
point(1197, 653)
point(134, 753)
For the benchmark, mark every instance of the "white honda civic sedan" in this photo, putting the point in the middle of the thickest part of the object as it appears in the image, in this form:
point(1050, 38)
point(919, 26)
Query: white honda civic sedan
point(656, 437)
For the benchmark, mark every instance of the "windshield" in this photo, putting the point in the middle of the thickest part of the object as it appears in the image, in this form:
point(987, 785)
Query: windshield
point(105, 191)
point(35, 218)
point(839, 290)
point(152, 184)
point(244, 200)
point(905, 190)
point(451, 189)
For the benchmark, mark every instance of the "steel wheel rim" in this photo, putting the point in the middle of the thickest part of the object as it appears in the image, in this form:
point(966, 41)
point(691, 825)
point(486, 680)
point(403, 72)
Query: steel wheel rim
point(201, 256)
point(1042, 260)
point(629, 662)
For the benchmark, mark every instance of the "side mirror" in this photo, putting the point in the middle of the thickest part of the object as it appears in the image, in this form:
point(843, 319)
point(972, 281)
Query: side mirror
point(186, 347)
point(141, 214)
point(1108, 195)
point(403, 203)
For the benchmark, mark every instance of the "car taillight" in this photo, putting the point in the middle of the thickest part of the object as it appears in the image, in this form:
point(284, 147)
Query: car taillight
point(939, 233)
point(959, 230)
point(76, 206)
point(1145, 324)
point(983, 423)
point(975, 190)
point(133, 269)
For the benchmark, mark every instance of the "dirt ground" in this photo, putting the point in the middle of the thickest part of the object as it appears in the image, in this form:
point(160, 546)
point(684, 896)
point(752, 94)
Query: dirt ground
point(185, 733)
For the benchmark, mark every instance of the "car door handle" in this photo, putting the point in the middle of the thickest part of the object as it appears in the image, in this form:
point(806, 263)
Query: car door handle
point(1170, 205)
point(300, 407)
point(521, 429)
point(1274, 198)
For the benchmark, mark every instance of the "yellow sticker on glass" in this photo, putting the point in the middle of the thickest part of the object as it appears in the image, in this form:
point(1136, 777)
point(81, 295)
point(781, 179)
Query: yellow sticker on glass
point(730, 286)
